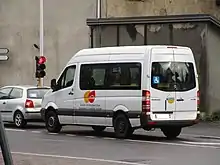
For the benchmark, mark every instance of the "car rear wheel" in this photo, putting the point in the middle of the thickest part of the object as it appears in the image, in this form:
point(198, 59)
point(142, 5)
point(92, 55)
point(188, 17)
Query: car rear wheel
point(19, 120)
point(52, 122)
point(172, 132)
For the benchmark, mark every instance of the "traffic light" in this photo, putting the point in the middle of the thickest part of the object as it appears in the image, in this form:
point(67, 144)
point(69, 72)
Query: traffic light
point(40, 66)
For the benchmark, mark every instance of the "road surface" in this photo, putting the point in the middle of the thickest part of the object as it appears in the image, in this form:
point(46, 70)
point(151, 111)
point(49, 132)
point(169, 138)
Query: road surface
point(198, 145)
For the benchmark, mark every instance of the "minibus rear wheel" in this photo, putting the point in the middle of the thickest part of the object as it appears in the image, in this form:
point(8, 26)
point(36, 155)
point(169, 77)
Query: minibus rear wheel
point(98, 129)
point(171, 132)
point(122, 126)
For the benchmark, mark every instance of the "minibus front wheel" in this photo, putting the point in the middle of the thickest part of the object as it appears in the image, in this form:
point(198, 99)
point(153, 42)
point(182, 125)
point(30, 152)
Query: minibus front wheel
point(52, 122)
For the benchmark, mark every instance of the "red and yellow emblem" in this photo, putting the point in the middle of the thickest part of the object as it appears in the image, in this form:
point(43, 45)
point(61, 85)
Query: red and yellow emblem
point(89, 96)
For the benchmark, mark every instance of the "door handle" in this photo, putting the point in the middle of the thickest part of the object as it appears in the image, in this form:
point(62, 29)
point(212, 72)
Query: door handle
point(4, 102)
point(165, 104)
point(71, 93)
point(155, 99)
point(181, 99)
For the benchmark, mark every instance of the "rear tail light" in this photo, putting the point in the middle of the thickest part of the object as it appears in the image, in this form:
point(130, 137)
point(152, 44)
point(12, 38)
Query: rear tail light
point(145, 101)
point(198, 99)
point(29, 104)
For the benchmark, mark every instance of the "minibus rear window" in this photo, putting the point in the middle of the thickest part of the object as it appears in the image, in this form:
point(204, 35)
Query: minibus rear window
point(173, 76)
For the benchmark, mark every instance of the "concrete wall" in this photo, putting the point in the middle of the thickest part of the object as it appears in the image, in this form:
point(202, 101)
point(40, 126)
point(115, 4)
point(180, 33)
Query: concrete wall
point(65, 33)
point(192, 35)
point(213, 58)
point(117, 8)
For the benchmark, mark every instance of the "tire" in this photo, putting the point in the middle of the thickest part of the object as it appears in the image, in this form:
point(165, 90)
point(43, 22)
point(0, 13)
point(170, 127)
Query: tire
point(172, 132)
point(19, 120)
point(122, 126)
point(98, 129)
point(52, 122)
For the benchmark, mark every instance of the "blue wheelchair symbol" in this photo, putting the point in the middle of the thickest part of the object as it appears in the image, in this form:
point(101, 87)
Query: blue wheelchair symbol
point(156, 80)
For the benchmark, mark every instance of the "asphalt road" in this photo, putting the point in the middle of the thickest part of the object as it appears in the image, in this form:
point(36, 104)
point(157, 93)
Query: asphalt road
point(198, 145)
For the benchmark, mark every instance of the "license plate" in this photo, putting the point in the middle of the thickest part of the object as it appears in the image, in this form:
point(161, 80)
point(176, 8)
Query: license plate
point(162, 116)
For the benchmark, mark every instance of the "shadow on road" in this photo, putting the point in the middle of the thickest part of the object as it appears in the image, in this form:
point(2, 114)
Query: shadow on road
point(104, 134)
point(28, 126)
point(112, 135)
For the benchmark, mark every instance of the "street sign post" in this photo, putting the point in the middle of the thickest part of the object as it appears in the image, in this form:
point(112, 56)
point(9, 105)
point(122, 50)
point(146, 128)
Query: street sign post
point(3, 138)
point(4, 144)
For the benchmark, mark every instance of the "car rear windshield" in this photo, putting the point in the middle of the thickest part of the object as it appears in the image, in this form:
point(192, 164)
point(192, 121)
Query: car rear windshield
point(173, 76)
point(36, 93)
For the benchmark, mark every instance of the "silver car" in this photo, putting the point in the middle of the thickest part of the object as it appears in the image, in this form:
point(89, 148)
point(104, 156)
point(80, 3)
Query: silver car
point(20, 104)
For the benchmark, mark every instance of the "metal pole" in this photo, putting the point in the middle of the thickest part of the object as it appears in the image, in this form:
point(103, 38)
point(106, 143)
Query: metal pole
point(41, 34)
point(4, 144)
point(98, 16)
point(99, 7)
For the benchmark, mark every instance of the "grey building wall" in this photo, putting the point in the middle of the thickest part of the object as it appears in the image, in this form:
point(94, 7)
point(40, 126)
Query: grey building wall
point(130, 8)
point(193, 35)
point(213, 58)
point(65, 33)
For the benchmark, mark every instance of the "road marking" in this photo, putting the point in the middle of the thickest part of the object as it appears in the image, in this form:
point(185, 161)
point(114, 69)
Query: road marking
point(203, 136)
point(202, 143)
point(70, 135)
point(36, 131)
point(78, 158)
point(90, 137)
point(53, 133)
point(53, 140)
point(108, 138)
point(16, 130)
point(174, 144)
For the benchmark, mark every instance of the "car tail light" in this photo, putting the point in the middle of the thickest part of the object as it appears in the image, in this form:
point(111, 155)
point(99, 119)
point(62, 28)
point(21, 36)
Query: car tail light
point(29, 104)
point(198, 99)
point(145, 101)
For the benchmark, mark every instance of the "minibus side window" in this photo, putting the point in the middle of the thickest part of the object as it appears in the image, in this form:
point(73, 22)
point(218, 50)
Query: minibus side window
point(110, 76)
point(124, 76)
point(92, 76)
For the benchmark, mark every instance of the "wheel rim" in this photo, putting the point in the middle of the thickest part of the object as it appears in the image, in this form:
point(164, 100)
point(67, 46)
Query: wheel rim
point(18, 119)
point(51, 121)
point(121, 126)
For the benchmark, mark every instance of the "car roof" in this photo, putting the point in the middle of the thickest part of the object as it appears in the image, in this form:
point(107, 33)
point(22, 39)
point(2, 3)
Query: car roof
point(24, 86)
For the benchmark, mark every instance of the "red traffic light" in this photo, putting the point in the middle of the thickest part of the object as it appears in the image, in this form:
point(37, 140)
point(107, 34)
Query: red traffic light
point(42, 60)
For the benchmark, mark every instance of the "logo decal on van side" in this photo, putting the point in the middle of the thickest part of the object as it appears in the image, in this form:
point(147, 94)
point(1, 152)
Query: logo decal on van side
point(170, 100)
point(89, 96)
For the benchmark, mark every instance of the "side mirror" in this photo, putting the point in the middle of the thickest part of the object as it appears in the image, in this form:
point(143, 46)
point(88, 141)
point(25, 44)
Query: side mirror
point(53, 84)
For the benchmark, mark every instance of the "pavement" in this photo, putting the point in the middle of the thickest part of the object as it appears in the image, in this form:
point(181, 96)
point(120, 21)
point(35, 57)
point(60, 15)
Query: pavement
point(197, 145)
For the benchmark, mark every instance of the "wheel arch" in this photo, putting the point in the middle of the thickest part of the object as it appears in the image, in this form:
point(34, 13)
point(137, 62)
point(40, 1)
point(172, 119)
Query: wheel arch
point(16, 111)
point(135, 122)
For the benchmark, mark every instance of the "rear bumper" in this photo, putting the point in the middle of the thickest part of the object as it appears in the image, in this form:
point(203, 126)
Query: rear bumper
point(147, 123)
point(32, 116)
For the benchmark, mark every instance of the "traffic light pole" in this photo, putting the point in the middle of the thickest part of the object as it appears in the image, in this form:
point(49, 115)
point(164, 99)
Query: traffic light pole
point(40, 81)
point(4, 144)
